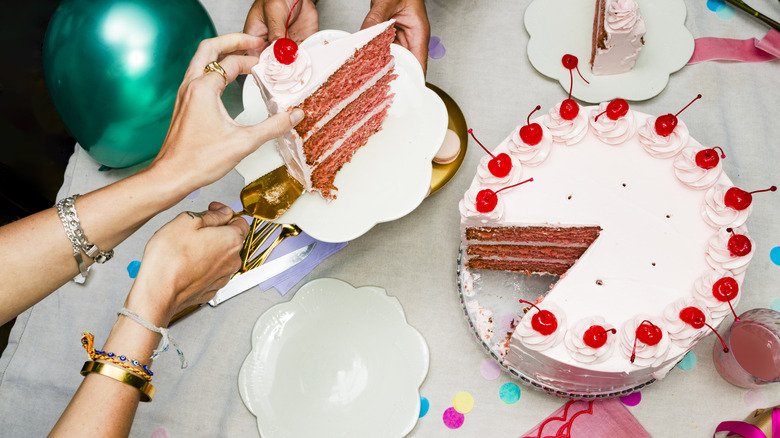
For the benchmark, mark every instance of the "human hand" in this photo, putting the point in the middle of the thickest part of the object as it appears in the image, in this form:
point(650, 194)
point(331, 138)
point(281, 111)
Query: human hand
point(186, 262)
point(411, 24)
point(267, 19)
point(203, 142)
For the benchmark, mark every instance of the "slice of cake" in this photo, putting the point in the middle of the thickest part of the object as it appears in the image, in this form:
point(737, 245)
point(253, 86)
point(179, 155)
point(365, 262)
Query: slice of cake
point(618, 36)
point(343, 86)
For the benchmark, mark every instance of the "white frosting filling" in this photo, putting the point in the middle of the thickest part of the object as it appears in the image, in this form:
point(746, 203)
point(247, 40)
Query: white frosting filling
point(691, 174)
point(717, 214)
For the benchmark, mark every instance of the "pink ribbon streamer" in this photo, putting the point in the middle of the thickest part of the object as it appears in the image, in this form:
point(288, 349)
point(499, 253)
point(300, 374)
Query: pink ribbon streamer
point(748, 430)
point(725, 49)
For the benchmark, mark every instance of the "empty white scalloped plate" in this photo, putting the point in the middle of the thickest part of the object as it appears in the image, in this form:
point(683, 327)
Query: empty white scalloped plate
point(334, 361)
point(558, 27)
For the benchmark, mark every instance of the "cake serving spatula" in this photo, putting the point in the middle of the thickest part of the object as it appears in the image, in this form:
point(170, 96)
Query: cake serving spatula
point(269, 196)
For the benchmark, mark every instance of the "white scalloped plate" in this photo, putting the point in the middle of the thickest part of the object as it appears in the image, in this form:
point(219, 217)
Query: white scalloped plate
point(558, 27)
point(334, 361)
point(387, 178)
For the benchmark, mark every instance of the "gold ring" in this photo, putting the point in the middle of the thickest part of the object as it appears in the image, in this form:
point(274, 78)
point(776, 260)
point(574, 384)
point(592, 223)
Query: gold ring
point(216, 68)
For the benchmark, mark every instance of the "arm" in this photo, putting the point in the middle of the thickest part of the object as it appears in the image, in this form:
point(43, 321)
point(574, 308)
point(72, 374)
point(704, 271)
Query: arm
point(203, 144)
point(267, 19)
point(184, 263)
point(411, 22)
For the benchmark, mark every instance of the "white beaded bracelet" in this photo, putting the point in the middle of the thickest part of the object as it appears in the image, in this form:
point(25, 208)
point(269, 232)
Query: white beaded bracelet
point(66, 210)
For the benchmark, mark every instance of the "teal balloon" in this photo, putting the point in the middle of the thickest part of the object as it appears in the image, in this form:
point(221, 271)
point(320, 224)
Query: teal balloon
point(113, 69)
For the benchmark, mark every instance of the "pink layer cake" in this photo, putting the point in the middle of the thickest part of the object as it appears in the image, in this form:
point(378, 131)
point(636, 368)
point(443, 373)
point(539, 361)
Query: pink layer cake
point(618, 36)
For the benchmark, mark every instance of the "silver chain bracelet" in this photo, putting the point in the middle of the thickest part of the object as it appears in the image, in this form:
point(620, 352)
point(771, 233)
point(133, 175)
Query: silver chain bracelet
point(66, 210)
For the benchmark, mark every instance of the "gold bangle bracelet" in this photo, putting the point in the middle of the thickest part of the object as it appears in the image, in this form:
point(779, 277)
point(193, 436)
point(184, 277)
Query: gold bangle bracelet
point(120, 375)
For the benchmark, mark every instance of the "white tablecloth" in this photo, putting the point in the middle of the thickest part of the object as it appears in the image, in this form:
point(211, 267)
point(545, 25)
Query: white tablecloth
point(414, 258)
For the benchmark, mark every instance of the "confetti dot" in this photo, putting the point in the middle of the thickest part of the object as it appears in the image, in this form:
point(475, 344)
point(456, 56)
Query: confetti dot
point(725, 13)
point(775, 305)
point(756, 399)
point(132, 268)
point(687, 362)
point(509, 393)
point(194, 194)
point(424, 406)
point(463, 402)
point(632, 399)
point(490, 369)
point(715, 5)
point(161, 433)
point(774, 255)
point(436, 49)
point(452, 418)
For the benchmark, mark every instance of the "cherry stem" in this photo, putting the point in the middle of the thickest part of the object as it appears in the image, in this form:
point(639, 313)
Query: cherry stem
point(289, 16)
point(736, 318)
point(613, 331)
point(722, 342)
point(515, 185)
point(583, 78)
point(722, 154)
point(541, 314)
point(528, 120)
point(689, 104)
point(599, 115)
point(633, 350)
point(483, 146)
point(771, 189)
point(571, 83)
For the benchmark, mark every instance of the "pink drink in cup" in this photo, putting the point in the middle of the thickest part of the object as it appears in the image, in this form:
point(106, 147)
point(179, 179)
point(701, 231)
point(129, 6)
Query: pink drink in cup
point(753, 359)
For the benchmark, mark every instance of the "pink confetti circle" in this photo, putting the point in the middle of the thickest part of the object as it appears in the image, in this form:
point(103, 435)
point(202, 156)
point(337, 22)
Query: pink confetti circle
point(453, 419)
point(632, 399)
point(490, 369)
point(756, 399)
point(161, 433)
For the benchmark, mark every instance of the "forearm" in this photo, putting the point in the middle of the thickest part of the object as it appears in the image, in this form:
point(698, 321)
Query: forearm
point(38, 257)
point(103, 406)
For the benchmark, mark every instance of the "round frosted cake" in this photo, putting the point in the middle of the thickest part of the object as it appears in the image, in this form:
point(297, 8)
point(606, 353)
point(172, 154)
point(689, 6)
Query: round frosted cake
point(637, 227)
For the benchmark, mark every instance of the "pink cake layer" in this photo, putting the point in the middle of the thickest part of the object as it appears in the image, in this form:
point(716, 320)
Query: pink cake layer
point(358, 70)
point(559, 236)
point(338, 128)
point(562, 253)
point(322, 177)
point(525, 266)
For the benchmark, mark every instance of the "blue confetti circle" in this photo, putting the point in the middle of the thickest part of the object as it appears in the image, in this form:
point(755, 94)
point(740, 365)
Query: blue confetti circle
point(774, 255)
point(775, 305)
point(424, 406)
point(132, 268)
point(687, 362)
point(509, 393)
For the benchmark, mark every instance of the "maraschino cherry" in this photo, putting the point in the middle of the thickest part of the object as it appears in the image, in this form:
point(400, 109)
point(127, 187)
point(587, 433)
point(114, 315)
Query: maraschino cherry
point(648, 333)
point(738, 244)
point(285, 49)
point(615, 110)
point(543, 321)
point(596, 336)
point(487, 199)
point(531, 133)
point(569, 108)
point(739, 199)
point(664, 125)
point(500, 165)
point(708, 158)
point(694, 317)
point(725, 290)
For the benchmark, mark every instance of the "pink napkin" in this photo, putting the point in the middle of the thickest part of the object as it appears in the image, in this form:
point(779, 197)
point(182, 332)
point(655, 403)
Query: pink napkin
point(589, 419)
point(749, 50)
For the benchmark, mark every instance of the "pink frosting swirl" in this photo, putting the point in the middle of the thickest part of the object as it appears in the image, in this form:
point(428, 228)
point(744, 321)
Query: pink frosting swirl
point(528, 154)
point(717, 214)
point(691, 174)
point(663, 147)
point(280, 77)
point(613, 132)
point(468, 208)
point(646, 355)
point(565, 131)
point(622, 15)
point(487, 179)
point(720, 257)
point(703, 292)
point(680, 332)
point(533, 339)
point(577, 347)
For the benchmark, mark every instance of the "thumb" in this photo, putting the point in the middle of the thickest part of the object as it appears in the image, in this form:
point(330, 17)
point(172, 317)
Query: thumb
point(276, 125)
point(379, 13)
point(216, 217)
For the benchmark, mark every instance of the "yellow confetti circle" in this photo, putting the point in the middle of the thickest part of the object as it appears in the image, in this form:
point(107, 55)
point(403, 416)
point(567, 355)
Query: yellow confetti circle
point(463, 402)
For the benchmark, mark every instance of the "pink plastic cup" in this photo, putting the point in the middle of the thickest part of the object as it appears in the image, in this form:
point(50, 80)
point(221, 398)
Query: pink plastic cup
point(753, 359)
